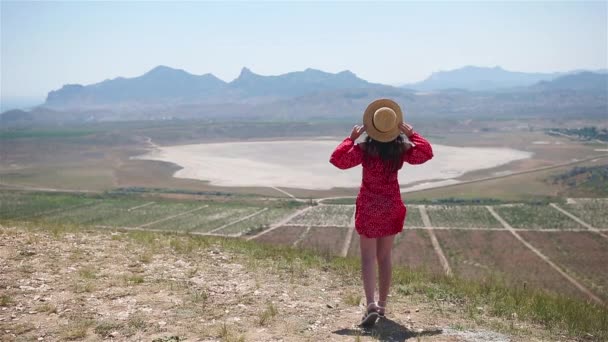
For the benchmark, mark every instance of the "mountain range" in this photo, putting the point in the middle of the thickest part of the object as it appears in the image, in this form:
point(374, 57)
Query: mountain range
point(165, 92)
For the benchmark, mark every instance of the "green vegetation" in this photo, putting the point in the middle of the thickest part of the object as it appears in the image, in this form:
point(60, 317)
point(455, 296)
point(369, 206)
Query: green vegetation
point(343, 200)
point(330, 215)
point(591, 211)
point(462, 217)
point(143, 190)
point(413, 218)
point(584, 181)
point(120, 210)
point(24, 205)
point(535, 217)
point(585, 133)
point(260, 221)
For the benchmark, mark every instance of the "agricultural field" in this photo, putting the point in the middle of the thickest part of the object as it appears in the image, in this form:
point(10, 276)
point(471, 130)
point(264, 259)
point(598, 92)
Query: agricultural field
point(286, 235)
point(536, 217)
point(327, 240)
point(26, 206)
point(588, 209)
point(489, 250)
point(412, 217)
point(581, 254)
point(497, 254)
point(326, 215)
point(259, 222)
point(413, 248)
point(116, 213)
point(207, 219)
point(460, 216)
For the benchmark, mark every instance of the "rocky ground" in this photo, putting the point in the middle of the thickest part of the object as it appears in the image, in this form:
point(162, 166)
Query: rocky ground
point(139, 286)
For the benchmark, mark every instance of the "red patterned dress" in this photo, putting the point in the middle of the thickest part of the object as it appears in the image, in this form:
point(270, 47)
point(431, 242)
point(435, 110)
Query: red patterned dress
point(379, 208)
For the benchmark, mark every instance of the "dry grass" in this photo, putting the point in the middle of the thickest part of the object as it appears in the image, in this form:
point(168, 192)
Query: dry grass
point(77, 329)
point(6, 300)
point(267, 315)
point(192, 275)
point(352, 298)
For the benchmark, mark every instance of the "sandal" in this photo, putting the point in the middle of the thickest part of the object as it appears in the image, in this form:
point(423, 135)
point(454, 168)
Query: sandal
point(370, 317)
point(381, 308)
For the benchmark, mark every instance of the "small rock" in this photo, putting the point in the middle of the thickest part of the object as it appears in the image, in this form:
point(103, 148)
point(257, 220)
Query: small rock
point(329, 306)
point(417, 310)
point(40, 338)
point(113, 334)
point(162, 323)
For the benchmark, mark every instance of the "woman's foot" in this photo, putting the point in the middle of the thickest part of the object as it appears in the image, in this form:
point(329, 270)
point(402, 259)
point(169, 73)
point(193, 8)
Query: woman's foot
point(370, 317)
point(381, 306)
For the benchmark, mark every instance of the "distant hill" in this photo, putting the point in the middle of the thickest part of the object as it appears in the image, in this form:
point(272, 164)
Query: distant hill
point(166, 86)
point(583, 81)
point(158, 85)
point(166, 93)
point(298, 83)
point(480, 79)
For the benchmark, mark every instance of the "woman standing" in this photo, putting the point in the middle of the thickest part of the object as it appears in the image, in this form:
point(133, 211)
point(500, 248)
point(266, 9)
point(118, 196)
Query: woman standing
point(380, 212)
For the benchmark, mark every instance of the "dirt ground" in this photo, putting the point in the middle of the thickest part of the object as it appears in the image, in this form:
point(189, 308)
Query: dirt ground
point(98, 285)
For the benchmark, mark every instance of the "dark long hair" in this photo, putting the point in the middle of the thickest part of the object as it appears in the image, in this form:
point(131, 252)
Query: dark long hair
point(389, 152)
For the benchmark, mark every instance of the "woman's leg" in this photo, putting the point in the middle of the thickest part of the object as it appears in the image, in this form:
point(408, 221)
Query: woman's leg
point(384, 246)
point(368, 267)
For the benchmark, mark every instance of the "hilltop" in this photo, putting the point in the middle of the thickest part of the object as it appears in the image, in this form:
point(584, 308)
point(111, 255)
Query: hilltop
point(73, 284)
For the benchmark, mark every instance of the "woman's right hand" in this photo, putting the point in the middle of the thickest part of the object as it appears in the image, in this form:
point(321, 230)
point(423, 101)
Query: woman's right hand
point(406, 129)
point(356, 132)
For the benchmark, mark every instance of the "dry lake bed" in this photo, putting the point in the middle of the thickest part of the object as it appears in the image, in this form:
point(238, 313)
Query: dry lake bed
point(305, 164)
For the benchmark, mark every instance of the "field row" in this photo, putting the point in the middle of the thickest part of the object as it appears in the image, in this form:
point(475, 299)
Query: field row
point(188, 216)
point(234, 218)
point(470, 252)
point(479, 254)
point(519, 216)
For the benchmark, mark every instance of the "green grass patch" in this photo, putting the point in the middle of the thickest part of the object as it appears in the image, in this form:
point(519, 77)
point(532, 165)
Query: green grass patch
point(535, 217)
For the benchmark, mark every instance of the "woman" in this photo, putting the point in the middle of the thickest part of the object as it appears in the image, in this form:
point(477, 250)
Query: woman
point(380, 212)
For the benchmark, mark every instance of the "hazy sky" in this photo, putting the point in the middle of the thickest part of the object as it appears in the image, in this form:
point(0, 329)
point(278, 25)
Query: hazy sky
point(48, 44)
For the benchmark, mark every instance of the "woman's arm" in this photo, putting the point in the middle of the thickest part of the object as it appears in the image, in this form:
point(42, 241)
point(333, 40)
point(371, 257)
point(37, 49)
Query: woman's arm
point(421, 151)
point(347, 154)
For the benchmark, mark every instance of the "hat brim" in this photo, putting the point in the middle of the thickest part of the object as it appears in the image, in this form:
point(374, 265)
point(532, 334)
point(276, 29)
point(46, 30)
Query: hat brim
point(368, 120)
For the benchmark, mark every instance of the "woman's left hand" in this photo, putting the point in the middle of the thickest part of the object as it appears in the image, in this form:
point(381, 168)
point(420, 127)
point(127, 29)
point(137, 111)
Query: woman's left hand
point(357, 131)
point(406, 129)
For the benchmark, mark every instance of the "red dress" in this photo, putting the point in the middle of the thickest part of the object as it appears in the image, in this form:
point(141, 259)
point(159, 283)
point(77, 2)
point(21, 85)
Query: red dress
point(379, 208)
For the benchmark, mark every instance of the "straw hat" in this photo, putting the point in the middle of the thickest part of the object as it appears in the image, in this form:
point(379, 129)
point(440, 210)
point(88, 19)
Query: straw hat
point(381, 119)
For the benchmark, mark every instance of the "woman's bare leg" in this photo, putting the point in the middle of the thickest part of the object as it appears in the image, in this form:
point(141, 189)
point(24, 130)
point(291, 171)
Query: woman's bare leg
point(384, 246)
point(368, 267)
